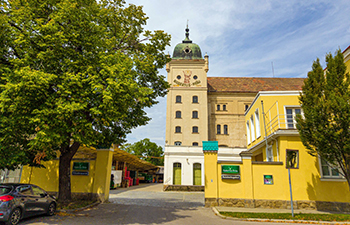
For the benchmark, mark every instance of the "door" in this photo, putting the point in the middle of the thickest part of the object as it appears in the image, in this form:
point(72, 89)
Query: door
point(177, 174)
point(197, 174)
point(41, 203)
point(26, 199)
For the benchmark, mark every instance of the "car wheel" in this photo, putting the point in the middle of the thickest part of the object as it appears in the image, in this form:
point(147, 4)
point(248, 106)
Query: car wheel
point(14, 218)
point(52, 209)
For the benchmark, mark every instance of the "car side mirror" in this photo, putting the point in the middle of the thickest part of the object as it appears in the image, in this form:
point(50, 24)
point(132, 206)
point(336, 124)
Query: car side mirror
point(43, 195)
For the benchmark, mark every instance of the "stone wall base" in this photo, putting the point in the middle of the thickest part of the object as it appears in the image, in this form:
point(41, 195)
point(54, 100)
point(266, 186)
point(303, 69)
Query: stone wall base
point(278, 204)
point(188, 188)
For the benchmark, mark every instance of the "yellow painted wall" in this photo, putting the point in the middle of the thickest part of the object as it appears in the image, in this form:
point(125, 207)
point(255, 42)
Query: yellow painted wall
point(230, 188)
point(97, 182)
point(272, 111)
point(47, 178)
point(210, 174)
point(307, 184)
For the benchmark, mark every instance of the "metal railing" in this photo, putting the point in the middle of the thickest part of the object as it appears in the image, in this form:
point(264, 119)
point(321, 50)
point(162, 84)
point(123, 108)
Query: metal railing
point(276, 121)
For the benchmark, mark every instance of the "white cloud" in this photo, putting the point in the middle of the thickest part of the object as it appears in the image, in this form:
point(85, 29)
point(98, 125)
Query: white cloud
point(242, 38)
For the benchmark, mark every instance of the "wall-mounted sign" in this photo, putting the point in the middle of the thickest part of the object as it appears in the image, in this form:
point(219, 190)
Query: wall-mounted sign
point(230, 177)
point(231, 169)
point(80, 166)
point(268, 179)
point(82, 173)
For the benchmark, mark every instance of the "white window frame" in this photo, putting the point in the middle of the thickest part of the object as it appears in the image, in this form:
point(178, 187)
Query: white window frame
point(248, 132)
point(252, 128)
point(293, 107)
point(257, 126)
point(331, 176)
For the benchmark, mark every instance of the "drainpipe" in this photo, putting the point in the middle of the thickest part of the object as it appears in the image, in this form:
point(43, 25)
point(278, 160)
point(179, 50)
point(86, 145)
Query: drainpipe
point(262, 106)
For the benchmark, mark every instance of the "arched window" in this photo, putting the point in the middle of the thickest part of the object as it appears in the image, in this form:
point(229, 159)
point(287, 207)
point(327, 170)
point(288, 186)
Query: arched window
point(177, 173)
point(225, 129)
point(195, 144)
point(224, 107)
point(218, 107)
point(194, 114)
point(178, 114)
point(178, 99)
point(178, 129)
point(195, 129)
point(177, 143)
point(197, 174)
point(218, 129)
point(194, 99)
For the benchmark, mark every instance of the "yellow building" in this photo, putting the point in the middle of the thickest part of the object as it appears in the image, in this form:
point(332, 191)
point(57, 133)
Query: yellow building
point(201, 108)
point(260, 178)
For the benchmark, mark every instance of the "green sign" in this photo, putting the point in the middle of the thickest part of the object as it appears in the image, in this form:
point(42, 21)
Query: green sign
point(80, 166)
point(230, 169)
point(268, 179)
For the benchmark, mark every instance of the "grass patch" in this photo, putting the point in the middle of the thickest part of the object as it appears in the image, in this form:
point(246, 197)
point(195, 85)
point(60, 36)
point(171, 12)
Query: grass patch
point(74, 204)
point(288, 216)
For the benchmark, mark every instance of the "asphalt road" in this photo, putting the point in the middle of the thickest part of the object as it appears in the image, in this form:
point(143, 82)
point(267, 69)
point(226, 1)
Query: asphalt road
point(144, 204)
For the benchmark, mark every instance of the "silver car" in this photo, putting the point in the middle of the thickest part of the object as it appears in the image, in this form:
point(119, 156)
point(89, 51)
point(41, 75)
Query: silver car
point(18, 201)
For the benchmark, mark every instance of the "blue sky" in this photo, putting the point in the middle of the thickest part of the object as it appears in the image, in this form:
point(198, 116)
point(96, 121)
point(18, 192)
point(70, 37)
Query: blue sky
point(244, 38)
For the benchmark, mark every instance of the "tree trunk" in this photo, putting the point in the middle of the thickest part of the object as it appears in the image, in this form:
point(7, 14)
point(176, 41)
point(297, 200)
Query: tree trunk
point(64, 185)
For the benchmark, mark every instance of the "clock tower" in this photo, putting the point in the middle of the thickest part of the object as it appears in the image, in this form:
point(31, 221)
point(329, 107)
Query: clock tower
point(187, 101)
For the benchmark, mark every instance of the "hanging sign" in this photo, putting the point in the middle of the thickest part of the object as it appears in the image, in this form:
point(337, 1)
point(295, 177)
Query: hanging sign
point(268, 179)
point(230, 169)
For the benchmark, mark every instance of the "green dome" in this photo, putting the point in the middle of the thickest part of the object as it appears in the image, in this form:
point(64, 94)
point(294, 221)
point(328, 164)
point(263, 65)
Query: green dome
point(187, 49)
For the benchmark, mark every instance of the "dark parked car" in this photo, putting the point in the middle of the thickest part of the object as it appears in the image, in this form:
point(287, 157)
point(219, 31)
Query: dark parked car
point(18, 201)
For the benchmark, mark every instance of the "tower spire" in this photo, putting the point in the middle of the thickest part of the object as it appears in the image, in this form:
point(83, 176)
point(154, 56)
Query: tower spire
point(187, 39)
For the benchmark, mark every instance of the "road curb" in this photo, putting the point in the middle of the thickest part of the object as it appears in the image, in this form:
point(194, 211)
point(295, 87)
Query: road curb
point(217, 213)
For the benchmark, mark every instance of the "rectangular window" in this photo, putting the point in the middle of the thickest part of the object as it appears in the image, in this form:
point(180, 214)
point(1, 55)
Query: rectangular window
point(225, 129)
point(224, 107)
point(218, 129)
point(269, 156)
point(218, 107)
point(178, 114)
point(252, 128)
point(292, 159)
point(328, 171)
point(290, 117)
point(178, 99)
point(257, 123)
point(248, 132)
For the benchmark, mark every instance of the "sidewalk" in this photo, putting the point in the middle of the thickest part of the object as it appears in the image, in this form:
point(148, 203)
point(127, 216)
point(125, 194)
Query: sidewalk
point(263, 210)
point(219, 209)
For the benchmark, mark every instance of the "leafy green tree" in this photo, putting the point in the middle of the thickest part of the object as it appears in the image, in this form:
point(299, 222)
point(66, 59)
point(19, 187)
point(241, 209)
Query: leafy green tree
point(73, 73)
point(325, 127)
point(146, 150)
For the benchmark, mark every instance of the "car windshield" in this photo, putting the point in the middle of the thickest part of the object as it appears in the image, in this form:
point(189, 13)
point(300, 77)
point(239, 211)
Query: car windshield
point(5, 190)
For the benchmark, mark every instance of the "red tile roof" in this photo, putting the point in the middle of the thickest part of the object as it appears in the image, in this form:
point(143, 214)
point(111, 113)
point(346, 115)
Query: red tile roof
point(253, 84)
